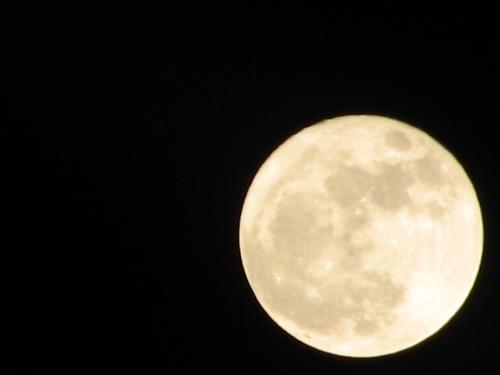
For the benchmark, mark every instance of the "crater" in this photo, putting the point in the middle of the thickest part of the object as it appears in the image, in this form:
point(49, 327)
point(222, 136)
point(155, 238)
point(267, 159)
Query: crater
point(398, 140)
point(428, 171)
point(352, 253)
point(374, 296)
point(435, 210)
point(390, 187)
point(387, 188)
point(348, 185)
point(366, 327)
point(357, 218)
point(366, 299)
point(307, 159)
point(298, 228)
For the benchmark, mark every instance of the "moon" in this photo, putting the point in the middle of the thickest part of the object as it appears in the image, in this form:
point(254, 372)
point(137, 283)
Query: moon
point(361, 236)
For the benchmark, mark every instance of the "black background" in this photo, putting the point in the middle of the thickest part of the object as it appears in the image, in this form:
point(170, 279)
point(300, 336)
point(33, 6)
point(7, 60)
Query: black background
point(131, 141)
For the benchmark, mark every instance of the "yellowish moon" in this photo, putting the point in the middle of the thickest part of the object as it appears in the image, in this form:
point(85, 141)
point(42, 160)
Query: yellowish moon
point(361, 236)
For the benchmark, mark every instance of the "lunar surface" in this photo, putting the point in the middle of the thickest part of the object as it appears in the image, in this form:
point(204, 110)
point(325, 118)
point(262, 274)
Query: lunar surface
point(361, 236)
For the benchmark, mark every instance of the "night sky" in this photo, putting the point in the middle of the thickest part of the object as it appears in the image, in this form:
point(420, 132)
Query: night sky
point(130, 143)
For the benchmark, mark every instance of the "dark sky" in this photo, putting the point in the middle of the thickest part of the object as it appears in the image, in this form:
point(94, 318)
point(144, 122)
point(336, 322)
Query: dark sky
point(131, 142)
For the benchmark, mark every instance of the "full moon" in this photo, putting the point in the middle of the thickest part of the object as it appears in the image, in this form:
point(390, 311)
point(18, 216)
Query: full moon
point(361, 236)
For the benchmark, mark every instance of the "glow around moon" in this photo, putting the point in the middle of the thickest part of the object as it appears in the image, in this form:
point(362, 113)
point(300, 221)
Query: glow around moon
point(361, 236)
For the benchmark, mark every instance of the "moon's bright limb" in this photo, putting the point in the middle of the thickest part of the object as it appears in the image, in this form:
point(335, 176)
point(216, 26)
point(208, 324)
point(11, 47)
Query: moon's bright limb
point(361, 236)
